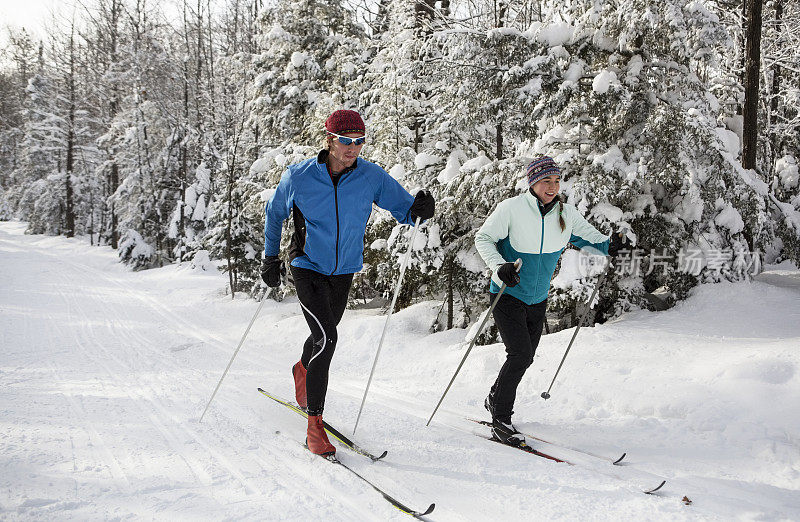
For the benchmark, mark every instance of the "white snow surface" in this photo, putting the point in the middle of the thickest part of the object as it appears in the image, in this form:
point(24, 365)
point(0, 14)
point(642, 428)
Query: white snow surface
point(603, 81)
point(554, 34)
point(105, 373)
point(398, 171)
point(787, 171)
point(730, 218)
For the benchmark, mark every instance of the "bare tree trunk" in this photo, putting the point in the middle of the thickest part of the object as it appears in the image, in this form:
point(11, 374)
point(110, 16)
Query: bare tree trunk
point(450, 291)
point(502, 9)
point(69, 209)
point(228, 229)
point(752, 70)
point(113, 181)
point(499, 140)
point(776, 85)
point(232, 158)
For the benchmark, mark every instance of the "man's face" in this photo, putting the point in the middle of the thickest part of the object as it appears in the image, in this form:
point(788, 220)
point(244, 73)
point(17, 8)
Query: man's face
point(345, 154)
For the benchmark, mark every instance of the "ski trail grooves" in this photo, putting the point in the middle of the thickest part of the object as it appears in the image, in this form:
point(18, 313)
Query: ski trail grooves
point(145, 397)
point(151, 410)
point(116, 470)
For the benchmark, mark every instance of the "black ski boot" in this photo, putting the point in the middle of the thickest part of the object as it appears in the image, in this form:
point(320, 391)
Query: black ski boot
point(488, 403)
point(506, 433)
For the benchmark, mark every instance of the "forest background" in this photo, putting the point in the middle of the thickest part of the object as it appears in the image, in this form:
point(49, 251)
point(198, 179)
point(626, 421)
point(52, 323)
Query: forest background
point(677, 123)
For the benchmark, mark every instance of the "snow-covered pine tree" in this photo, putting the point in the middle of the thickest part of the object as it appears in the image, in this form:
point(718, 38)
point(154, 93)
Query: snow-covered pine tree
point(229, 229)
point(399, 104)
point(295, 88)
point(17, 66)
point(108, 77)
point(656, 164)
point(780, 140)
point(491, 74)
point(294, 70)
point(144, 132)
point(54, 175)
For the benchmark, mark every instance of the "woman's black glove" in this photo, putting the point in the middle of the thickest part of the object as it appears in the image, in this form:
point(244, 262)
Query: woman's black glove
point(271, 270)
point(618, 242)
point(508, 274)
point(423, 206)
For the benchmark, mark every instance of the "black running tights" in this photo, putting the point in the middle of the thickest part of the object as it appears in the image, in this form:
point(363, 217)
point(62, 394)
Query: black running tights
point(323, 299)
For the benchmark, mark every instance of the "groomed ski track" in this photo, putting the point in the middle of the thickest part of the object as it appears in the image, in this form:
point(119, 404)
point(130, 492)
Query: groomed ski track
point(105, 373)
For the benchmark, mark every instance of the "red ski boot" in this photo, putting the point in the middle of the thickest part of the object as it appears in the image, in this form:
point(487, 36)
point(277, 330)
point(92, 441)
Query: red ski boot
point(316, 438)
point(299, 374)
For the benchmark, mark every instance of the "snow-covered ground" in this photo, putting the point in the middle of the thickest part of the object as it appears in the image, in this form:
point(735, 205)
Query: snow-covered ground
point(105, 372)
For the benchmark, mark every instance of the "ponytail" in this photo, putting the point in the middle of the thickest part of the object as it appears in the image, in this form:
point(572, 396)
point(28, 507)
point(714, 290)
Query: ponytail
point(561, 214)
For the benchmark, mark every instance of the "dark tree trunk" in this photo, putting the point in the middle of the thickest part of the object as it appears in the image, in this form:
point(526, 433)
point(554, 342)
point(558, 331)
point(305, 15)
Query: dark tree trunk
point(752, 70)
point(500, 21)
point(228, 232)
point(499, 140)
point(114, 183)
point(450, 291)
point(69, 210)
point(776, 140)
point(113, 180)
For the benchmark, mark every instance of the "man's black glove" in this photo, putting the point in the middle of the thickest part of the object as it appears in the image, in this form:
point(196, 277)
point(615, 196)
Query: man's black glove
point(508, 274)
point(423, 206)
point(272, 270)
point(618, 242)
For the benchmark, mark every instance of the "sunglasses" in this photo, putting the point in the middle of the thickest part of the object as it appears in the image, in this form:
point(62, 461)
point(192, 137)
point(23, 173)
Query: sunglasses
point(344, 140)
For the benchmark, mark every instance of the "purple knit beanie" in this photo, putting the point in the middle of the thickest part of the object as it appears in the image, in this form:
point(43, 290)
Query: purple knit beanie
point(344, 121)
point(541, 168)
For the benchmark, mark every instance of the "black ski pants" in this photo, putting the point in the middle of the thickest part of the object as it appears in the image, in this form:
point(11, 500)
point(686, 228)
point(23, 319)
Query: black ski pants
point(520, 327)
point(323, 299)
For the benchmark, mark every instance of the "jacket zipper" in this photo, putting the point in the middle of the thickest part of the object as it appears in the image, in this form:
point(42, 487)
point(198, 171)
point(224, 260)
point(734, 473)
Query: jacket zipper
point(336, 206)
point(541, 253)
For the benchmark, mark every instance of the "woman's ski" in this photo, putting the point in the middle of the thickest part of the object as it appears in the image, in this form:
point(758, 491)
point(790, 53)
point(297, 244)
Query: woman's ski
point(528, 449)
point(529, 436)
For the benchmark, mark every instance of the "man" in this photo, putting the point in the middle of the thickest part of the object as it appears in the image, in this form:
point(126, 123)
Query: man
point(330, 199)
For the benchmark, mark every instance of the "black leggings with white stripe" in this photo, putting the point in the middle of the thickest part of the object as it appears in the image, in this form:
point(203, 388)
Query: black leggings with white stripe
point(323, 299)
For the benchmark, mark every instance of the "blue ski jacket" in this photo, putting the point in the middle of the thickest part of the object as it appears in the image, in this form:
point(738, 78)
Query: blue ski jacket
point(517, 230)
point(330, 216)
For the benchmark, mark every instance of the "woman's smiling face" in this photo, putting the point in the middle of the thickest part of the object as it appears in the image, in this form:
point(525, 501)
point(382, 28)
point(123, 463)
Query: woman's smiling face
point(547, 188)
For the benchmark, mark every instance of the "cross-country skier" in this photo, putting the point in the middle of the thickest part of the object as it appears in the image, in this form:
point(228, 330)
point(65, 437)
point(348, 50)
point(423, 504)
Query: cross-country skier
point(330, 199)
point(535, 227)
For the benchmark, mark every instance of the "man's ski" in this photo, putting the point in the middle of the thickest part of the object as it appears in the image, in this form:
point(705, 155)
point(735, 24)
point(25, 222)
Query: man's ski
point(333, 432)
point(347, 442)
point(529, 436)
point(393, 501)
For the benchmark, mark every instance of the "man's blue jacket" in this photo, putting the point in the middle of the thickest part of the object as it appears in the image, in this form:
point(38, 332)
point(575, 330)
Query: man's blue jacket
point(330, 217)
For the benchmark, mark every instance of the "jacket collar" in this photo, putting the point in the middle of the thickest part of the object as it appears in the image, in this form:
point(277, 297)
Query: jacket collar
point(322, 159)
point(536, 203)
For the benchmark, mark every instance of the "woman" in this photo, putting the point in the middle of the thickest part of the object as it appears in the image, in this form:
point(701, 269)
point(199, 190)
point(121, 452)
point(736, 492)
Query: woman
point(330, 199)
point(534, 227)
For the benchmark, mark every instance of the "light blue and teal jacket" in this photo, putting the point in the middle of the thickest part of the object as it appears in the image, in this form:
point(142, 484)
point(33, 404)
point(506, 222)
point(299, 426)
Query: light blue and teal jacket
point(517, 230)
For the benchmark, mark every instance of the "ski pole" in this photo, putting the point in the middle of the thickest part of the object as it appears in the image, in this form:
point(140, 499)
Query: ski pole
point(518, 264)
point(388, 316)
point(253, 320)
point(600, 280)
